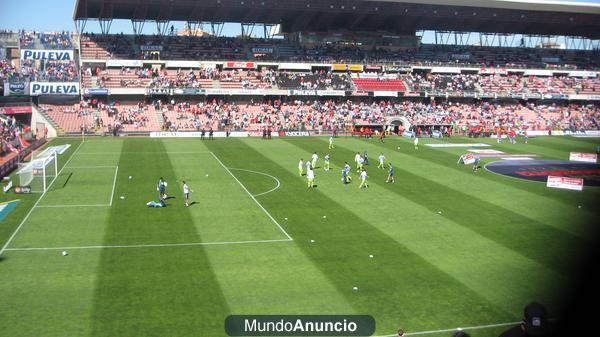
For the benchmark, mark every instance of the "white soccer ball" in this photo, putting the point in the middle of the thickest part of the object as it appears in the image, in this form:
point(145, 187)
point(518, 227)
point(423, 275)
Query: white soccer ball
point(64, 253)
point(439, 212)
point(130, 177)
point(371, 256)
point(122, 197)
point(312, 241)
point(324, 216)
point(207, 174)
point(285, 219)
point(355, 288)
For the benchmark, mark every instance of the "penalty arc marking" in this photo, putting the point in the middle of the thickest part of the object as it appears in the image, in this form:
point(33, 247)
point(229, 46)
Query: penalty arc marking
point(277, 182)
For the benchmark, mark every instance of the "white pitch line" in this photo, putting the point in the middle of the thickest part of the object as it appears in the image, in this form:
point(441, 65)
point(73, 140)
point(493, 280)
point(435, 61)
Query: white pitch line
point(91, 167)
point(158, 245)
point(112, 194)
point(253, 198)
point(64, 206)
point(38, 201)
point(145, 152)
point(278, 183)
point(430, 332)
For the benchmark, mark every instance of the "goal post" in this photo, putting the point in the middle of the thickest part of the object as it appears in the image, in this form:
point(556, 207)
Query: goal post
point(39, 173)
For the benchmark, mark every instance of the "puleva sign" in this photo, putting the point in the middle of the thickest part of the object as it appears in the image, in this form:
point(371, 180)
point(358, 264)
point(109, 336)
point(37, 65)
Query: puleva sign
point(50, 55)
point(54, 88)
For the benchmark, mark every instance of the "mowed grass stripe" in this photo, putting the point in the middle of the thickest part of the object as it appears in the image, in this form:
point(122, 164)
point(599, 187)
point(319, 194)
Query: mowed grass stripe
point(515, 231)
point(154, 292)
point(343, 243)
point(519, 196)
point(497, 273)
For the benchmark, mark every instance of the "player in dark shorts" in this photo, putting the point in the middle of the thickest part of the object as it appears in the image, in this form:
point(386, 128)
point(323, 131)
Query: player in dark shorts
point(476, 164)
point(390, 178)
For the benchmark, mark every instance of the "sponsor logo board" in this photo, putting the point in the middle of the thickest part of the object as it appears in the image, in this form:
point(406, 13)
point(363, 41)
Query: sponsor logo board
point(539, 170)
point(583, 157)
point(49, 55)
point(575, 184)
point(54, 88)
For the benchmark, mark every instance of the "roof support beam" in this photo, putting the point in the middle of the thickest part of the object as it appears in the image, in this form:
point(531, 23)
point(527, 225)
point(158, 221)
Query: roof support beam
point(80, 25)
point(247, 29)
point(105, 25)
point(217, 28)
point(193, 27)
point(137, 26)
point(162, 27)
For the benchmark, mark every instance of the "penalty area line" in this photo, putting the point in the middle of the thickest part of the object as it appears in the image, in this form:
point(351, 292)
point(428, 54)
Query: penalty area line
point(39, 199)
point(158, 245)
point(253, 198)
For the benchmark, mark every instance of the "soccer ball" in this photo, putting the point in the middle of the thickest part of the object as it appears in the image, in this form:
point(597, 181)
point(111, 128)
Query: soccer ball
point(130, 177)
point(355, 289)
point(64, 253)
point(371, 256)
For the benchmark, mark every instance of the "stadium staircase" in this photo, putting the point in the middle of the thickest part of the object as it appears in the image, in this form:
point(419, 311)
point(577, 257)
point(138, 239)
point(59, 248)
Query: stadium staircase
point(159, 117)
point(59, 130)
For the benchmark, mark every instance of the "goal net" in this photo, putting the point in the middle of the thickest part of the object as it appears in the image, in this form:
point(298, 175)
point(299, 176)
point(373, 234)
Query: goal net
point(38, 173)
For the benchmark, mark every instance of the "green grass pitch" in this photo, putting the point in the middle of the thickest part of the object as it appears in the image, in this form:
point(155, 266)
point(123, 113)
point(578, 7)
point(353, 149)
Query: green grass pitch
point(244, 246)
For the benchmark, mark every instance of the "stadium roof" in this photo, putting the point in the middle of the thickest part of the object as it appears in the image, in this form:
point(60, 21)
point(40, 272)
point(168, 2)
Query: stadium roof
point(399, 16)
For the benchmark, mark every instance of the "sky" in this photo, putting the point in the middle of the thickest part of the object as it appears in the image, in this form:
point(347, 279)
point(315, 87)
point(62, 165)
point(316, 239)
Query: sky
point(56, 15)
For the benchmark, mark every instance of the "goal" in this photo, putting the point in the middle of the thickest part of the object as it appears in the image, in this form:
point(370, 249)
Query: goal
point(38, 173)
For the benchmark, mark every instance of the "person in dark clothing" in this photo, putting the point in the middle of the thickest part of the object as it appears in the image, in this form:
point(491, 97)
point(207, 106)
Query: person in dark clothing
point(535, 323)
point(210, 134)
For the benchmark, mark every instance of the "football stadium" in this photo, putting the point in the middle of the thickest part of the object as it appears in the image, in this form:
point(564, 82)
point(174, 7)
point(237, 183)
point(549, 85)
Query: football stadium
point(300, 168)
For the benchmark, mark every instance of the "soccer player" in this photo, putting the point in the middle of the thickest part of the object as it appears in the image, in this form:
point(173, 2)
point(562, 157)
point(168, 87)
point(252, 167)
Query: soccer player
point(301, 167)
point(366, 158)
point(308, 166)
point(526, 135)
point(361, 162)
point(382, 136)
point(186, 194)
point(327, 159)
point(344, 176)
point(416, 142)
point(356, 157)
point(347, 169)
point(310, 176)
point(363, 179)
point(390, 178)
point(331, 143)
point(381, 161)
point(162, 189)
point(476, 163)
point(315, 157)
